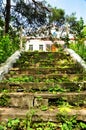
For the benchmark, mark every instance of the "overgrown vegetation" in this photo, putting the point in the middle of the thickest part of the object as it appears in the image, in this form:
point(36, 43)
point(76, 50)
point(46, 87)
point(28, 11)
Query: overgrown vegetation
point(79, 48)
point(4, 99)
point(7, 47)
point(66, 123)
point(70, 122)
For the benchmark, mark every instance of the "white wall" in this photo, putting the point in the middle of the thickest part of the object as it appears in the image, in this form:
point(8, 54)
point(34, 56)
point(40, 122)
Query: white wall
point(35, 44)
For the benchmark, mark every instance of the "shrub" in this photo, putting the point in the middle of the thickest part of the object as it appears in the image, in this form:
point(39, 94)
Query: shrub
point(6, 48)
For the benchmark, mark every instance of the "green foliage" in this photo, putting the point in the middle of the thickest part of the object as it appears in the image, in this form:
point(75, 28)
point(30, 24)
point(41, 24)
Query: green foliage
point(76, 26)
point(70, 122)
point(4, 99)
point(82, 125)
point(66, 123)
point(45, 126)
point(21, 79)
point(84, 31)
point(13, 123)
point(1, 27)
point(79, 27)
point(14, 38)
point(64, 107)
point(57, 15)
point(56, 89)
point(44, 108)
point(79, 48)
point(6, 48)
point(1, 127)
point(71, 19)
point(32, 14)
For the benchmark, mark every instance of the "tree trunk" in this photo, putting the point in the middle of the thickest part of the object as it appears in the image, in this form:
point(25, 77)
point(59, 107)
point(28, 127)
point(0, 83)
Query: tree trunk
point(7, 16)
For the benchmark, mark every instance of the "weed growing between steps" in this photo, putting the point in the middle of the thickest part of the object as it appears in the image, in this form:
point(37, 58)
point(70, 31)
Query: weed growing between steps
point(56, 88)
point(68, 122)
point(18, 124)
point(14, 85)
point(46, 79)
point(4, 100)
point(64, 122)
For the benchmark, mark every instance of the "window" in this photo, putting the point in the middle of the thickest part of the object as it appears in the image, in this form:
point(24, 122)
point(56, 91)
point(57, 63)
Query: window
point(48, 47)
point(41, 47)
point(31, 47)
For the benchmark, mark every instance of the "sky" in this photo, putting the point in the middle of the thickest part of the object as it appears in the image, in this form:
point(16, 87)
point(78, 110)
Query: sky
point(71, 6)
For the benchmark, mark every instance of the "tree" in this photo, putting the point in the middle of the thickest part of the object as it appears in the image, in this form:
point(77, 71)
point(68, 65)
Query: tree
point(57, 16)
point(1, 1)
point(30, 15)
point(84, 31)
point(71, 20)
point(27, 13)
point(7, 15)
point(76, 26)
point(79, 28)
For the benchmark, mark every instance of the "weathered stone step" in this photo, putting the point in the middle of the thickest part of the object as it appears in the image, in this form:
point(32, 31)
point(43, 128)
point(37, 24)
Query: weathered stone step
point(46, 70)
point(29, 100)
point(39, 115)
point(46, 64)
point(42, 86)
point(48, 77)
point(65, 61)
point(43, 55)
point(27, 60)
point(43, 62)
point(32, 58)
point(73, 98)
point(39, 65)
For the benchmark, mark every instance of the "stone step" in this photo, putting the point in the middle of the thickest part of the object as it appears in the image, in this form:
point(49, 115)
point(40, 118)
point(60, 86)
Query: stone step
point(46, 63)
point(43, 55)
point(29, 100)
point(42, 86)
point(45, 59)
point(46, 70)
point(39, 65)
point(51, 114)
point(46, 77)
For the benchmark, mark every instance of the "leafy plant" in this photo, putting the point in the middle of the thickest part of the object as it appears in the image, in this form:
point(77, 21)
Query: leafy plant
point(21, 79)
point(45, 126)
point(13, 123)
point(79, 48)
point(2, 127)
point(82, 125)
point(56, 89)
point(39, 98)
point(4, 99)
point(7, 48)
point(67, 122)
point(44, 108)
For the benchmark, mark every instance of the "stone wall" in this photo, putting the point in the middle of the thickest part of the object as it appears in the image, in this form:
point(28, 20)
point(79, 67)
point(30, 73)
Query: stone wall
point(8, 64)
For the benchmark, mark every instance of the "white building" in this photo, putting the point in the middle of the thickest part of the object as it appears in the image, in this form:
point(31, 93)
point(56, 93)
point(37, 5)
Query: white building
point(38, 45)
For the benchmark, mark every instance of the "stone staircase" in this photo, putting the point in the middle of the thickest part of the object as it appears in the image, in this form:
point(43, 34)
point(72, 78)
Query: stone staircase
point(45, 82)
